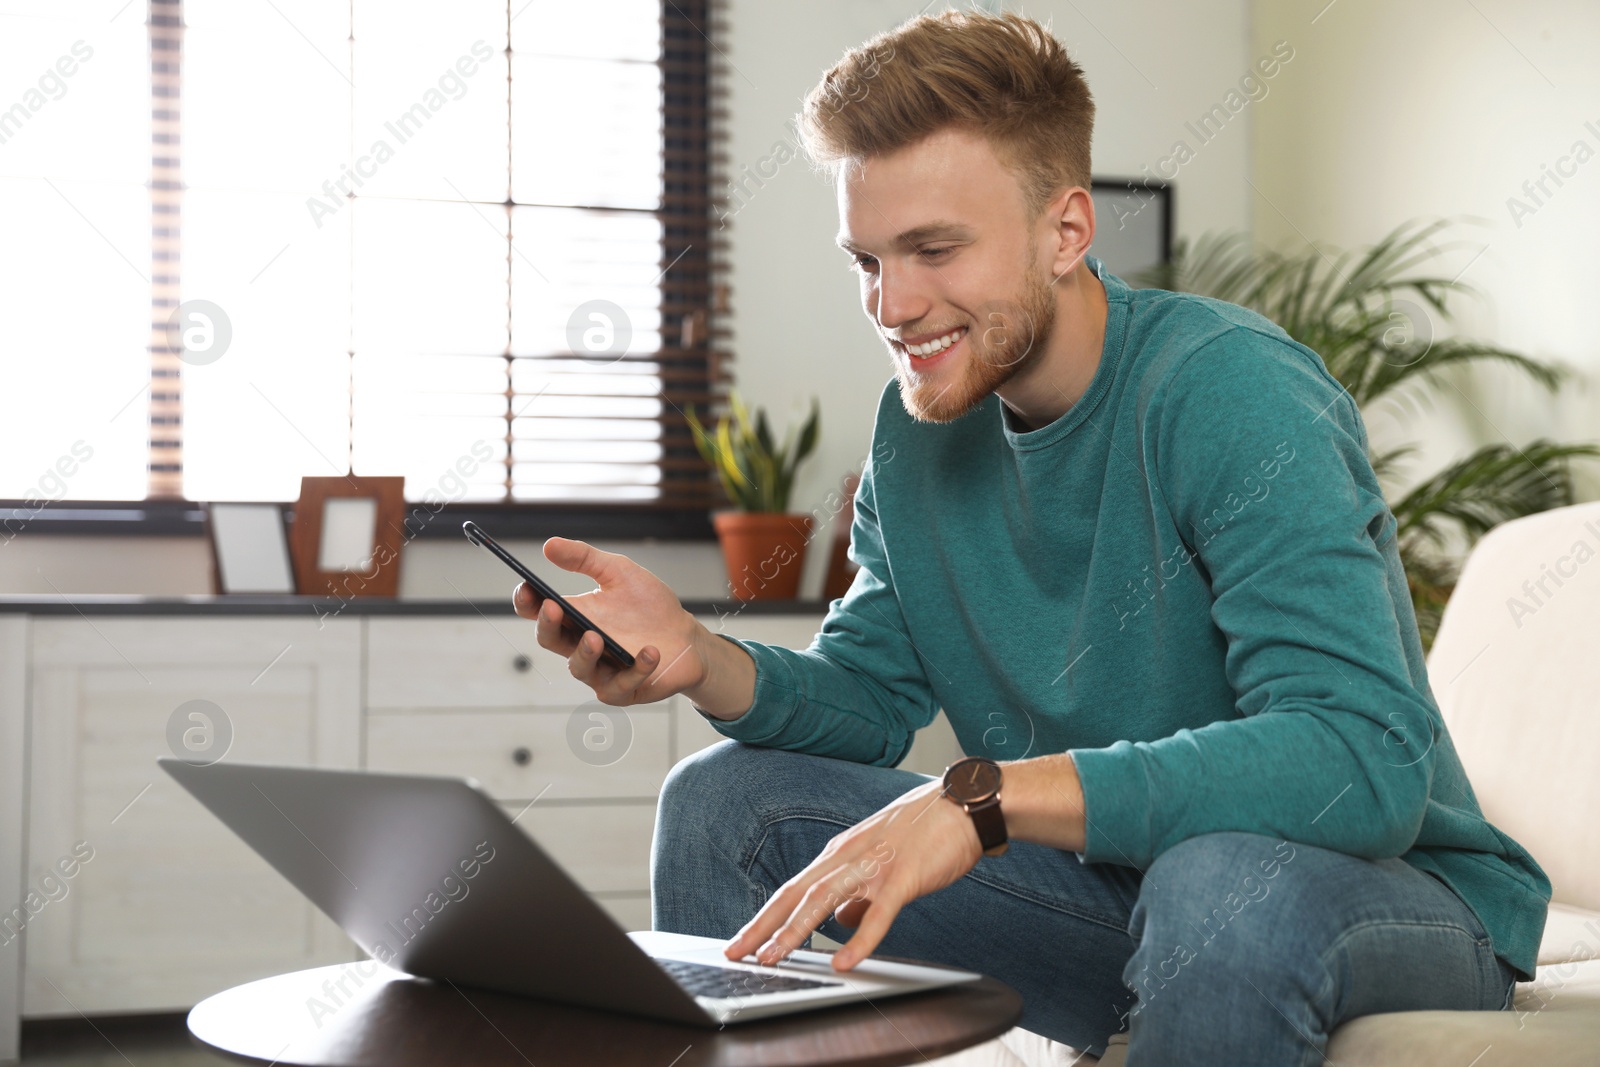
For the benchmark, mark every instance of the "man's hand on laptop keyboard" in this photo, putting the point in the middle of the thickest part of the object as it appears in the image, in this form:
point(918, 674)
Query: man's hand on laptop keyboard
point(920, 843)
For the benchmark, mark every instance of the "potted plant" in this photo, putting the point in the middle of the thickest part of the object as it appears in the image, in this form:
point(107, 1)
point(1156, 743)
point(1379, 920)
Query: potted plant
point(763, 545)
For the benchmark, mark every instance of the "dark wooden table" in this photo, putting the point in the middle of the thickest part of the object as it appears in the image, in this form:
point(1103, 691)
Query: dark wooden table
point(386, 1019)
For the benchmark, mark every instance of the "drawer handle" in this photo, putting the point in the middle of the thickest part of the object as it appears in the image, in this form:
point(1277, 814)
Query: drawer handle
point(522, 664)
point(522, 757)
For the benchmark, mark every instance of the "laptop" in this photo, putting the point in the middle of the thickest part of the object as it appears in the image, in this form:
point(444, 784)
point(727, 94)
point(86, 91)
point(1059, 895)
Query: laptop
point(431, 877)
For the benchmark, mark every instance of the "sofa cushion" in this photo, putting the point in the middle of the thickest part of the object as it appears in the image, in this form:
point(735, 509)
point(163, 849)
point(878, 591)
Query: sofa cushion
point(1570, 934)
point(1554, 1022)
point(1514, 672)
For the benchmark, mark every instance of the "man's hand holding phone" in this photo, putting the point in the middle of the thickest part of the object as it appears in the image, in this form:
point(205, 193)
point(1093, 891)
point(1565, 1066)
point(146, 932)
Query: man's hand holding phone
point(674, 652)
point(632, 605)
point(631, 609)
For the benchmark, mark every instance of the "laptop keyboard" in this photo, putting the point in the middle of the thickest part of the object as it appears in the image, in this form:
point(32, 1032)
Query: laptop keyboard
point(721, 983)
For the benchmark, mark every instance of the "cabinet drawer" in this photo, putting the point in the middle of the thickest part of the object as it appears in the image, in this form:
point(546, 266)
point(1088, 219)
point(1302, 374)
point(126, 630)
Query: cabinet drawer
point(520, 755)
point(464, 662)
point(604, 847)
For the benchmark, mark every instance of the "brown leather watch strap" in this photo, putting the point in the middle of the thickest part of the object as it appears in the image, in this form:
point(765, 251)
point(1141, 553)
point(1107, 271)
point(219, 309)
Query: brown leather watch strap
point(991, 826)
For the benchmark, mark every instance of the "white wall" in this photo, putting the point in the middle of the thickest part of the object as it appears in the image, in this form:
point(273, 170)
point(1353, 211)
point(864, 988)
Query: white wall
point(1438, 108)
point(1152, 65)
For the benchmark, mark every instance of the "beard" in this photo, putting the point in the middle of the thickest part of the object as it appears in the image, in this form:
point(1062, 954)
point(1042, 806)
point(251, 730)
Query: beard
point(1006, 336)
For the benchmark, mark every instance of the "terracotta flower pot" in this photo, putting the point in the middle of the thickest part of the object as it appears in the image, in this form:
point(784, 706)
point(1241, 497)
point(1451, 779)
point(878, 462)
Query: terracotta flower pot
point(765, 552)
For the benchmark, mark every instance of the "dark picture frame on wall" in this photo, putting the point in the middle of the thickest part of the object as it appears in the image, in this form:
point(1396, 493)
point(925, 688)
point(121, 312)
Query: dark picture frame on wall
point(1133, 224)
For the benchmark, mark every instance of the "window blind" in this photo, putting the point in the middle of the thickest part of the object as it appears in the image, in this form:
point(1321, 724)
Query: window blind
point(470, 243)
point(165, 461)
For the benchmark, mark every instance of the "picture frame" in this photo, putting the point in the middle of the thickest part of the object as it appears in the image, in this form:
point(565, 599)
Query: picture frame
point(347, 534)
point(1134, 220)
point(249, 549)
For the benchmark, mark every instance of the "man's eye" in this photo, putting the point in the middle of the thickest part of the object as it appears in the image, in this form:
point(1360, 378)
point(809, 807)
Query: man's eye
point(865, 263)
point(933, 253)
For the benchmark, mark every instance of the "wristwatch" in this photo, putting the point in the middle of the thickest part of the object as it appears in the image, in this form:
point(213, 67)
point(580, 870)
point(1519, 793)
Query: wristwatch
point(974, 783)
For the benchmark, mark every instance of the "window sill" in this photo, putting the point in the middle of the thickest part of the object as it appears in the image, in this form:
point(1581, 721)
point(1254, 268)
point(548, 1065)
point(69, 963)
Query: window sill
point(185, 518)
point(96, 605)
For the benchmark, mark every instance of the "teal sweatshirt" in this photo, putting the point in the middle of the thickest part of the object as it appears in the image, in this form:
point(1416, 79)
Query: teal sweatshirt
point(1189, 581)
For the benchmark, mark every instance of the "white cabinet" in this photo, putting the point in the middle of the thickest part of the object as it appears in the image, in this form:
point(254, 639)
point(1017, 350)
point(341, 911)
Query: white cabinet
point(462, 661)
point(169, 906)
point(523, 753)
point(478, 698)
point(13, 776)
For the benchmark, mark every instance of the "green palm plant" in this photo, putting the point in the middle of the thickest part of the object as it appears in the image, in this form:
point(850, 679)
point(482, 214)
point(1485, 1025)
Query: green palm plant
point(1369, 314)
point(755, 473)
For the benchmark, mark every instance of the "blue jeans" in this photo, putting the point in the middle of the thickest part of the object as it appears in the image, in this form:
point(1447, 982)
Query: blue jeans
point(1232, 948)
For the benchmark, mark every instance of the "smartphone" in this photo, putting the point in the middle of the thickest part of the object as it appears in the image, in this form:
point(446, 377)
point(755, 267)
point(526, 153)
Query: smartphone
point(573, 619)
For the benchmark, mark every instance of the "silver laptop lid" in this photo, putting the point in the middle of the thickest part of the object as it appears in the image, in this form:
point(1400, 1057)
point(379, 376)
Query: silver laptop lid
point(430, 876)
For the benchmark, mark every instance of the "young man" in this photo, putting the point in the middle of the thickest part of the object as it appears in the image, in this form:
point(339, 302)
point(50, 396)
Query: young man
point(1131, 543)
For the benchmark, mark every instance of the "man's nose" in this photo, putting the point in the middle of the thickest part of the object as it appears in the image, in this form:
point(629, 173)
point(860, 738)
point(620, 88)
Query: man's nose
point(900, 300)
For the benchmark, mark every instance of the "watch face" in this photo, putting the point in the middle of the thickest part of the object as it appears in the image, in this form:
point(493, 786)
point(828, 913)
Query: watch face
point(973, 779)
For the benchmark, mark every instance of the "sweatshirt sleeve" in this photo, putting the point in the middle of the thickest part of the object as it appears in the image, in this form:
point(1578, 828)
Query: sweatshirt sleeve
point(859, 691)
point(1261, 459)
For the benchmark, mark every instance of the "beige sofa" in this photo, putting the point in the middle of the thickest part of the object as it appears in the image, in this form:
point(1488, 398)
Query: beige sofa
point(1516, 671)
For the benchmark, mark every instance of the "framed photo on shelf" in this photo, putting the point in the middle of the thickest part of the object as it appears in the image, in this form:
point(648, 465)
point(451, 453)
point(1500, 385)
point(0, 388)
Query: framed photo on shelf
point(346, 536)
point(249, 549)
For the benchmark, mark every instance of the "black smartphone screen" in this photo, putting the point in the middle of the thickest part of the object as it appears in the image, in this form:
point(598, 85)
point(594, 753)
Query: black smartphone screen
point(573, 618)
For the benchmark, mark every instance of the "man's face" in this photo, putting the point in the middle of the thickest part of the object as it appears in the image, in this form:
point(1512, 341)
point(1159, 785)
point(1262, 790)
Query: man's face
point(953, 268)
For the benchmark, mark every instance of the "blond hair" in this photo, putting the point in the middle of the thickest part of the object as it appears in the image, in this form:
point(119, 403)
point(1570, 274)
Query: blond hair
point(999, 75)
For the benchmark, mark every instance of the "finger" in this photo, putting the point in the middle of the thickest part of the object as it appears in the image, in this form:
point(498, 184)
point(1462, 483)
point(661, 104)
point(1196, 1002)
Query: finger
point(875, 923)
point(755, 933)
point(550, 633)
point(655, 685)
point(584, 663)
point(819, 902)
point(759, 929)
point(525, 601)
point(584, 558)
point(850, 914)
point(590, 665)
point(624, 683)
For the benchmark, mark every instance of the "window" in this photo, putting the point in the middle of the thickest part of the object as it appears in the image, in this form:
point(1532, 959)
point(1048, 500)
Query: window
point(468, 243)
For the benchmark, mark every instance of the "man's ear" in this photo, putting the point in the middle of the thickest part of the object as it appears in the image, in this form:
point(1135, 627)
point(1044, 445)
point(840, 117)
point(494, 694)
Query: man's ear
point(1070, 215)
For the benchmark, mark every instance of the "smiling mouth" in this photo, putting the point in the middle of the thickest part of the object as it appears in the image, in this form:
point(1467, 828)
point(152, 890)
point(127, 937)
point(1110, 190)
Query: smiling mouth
point(935, 346)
